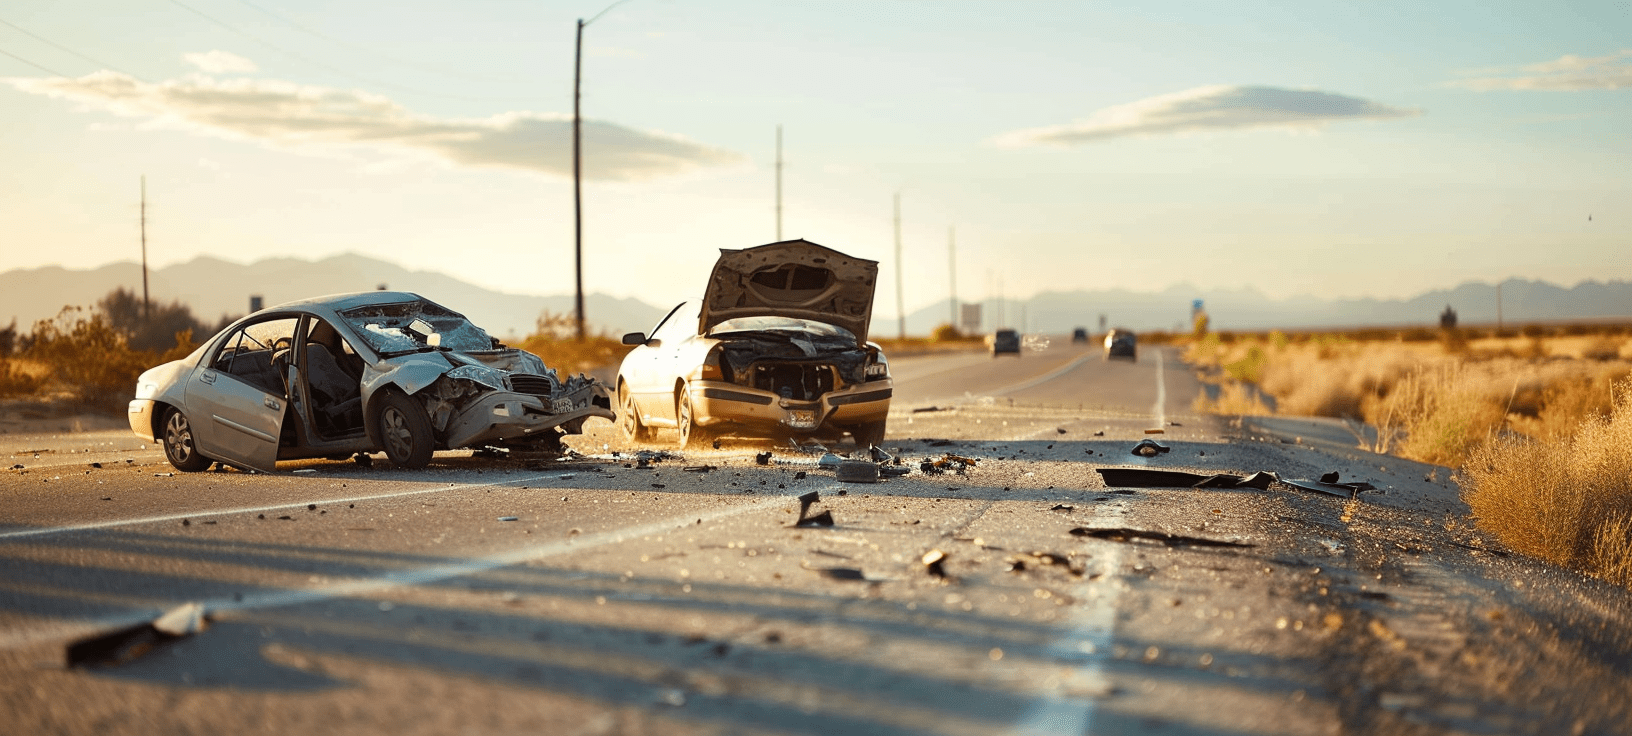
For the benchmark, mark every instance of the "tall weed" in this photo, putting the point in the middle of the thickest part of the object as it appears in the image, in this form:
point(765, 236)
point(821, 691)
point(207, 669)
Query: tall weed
point(1567, 500)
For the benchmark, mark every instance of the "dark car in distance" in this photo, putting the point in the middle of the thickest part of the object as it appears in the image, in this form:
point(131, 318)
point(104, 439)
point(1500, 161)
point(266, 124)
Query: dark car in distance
point(1080, 335)
point(1004, 341)
point(1120, 343)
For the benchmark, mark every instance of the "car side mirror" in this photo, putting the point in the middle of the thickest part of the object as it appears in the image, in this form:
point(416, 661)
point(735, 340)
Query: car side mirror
point(634, 338)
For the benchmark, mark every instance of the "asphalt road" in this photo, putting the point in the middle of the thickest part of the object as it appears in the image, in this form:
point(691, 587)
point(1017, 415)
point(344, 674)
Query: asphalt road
point(629, 600)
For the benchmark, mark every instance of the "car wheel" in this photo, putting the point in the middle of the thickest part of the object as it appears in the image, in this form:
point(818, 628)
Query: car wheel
point(179, 447)
point(869, 434)
point(404, 430)
point(629, 416)
point(691, 435)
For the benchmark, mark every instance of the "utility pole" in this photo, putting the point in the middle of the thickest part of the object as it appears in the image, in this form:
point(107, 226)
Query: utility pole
point(577, 188)
point(900, 302)
point(145, 308)
point(1498, 309)
point(952, 271)
point(779, 182)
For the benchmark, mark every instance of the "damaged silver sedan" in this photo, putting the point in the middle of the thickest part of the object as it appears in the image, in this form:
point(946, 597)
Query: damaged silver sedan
point(364, 372)
point(777, 347)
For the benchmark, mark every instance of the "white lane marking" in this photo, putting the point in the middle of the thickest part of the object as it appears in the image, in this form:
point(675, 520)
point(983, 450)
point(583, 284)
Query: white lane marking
point(1070, 709)
point(21, 533)
point(1046, 377)
point(57, 630)
point(1161, 392)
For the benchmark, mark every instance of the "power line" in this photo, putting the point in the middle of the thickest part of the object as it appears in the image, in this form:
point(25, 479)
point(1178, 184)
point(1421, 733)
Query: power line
point(355, 47)
point(314, 62)
point(64, 49)
point(32, 64)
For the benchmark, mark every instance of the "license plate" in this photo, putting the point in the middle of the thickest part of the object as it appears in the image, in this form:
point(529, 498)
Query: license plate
point(802, 418)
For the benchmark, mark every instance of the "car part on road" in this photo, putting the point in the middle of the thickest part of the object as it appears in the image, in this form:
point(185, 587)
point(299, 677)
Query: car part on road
point(935, 563)
point(1171, 540)
point(1148, 478)
point(856, 471)
point(132, 642)
point(1341, 490)
point(762, 458)
point(1149, 448)
point(805, 519)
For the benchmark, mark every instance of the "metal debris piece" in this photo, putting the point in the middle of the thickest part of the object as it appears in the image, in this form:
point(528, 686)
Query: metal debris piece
point(507, 518)
point(935, 562)
point(805, 519)
point(1171, 540)
point(829, 460)
point(762, 458)
point(1150, 448)
point(1330, 489)
point(878, 455)
point(1062, 507)
point(305, 470)
point(1099, 434)
point(699, 468)
point(894, 470)
point(926, 409)
point(1155, 430)
point(1148, 478)
point(364, 459)
point(857, 471)
point(127, 644)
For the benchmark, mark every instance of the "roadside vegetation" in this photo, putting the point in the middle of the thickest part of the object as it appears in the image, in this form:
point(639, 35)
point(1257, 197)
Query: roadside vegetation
point(1538, 421)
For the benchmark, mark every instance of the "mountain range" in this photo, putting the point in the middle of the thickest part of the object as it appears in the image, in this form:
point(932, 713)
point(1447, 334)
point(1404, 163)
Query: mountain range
point(212, 287)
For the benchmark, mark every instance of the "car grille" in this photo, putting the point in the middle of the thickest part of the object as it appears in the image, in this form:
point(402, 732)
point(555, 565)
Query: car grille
point(528, 383)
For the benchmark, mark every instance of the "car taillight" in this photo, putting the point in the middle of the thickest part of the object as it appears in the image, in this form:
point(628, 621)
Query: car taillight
point(710, 369)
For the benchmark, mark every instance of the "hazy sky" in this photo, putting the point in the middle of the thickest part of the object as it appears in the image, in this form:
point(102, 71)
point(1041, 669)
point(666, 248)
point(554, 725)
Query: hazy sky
point(1352, 149)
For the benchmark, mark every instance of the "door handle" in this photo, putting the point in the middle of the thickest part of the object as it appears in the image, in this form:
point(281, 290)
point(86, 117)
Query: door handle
point(272, 403)
point(207, 377)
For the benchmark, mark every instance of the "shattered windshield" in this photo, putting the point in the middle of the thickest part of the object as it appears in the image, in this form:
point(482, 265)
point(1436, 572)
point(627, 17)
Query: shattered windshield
point(781, 324)
point(411, 326)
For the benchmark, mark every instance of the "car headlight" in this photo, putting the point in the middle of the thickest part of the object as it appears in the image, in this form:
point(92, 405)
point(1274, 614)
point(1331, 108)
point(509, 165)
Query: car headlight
point(146, 390)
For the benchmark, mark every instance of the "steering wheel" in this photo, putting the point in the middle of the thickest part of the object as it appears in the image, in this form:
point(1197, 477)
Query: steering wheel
point(280, 351)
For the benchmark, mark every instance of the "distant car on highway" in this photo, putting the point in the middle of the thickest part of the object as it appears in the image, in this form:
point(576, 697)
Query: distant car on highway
point(1080, 335)
point(1004, 341)
point(1120, 343)
point(777, 347)
point(349, 373)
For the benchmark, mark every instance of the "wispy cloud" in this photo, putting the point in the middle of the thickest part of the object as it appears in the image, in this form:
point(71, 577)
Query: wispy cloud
point(304, 117)
point(1566, 73)
point(221, 62)
point(1203, 109)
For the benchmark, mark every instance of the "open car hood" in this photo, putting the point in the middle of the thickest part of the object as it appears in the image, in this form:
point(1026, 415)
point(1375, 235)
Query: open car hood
point(793, 278)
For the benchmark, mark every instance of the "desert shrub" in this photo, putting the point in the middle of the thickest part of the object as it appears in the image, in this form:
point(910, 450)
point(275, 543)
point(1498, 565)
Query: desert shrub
point(1233, 399)
point(16, 380)
point(1567, 500)
point(945, 332)
point(556, 341)
point(88, 357)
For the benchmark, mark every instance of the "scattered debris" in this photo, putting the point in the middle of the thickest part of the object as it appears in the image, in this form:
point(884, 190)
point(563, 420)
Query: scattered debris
point(801, 475)
point(693, 469)
point(1063, 507)
point(1148, 478)
point(878, 455)
point(1060, 430)
point(1150, 448)
point(673, 697)
point(507, 518)
point(805, 519)
point(839, 573)
point(1171, 540)
point(935, 562)
point(161, 475)
point(1099, 434)
point(1155, 430)
point(857, 471)
point(829, 460)
point(948, 462)
point(96, 465)
point(1018, 563)
point(364, 459)
point(895, 470)
point(942, 443)
point(124, 645)
point(926, 409)
point(762, 458)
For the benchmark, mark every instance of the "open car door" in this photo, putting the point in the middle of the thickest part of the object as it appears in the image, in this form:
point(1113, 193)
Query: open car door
point(236, 400)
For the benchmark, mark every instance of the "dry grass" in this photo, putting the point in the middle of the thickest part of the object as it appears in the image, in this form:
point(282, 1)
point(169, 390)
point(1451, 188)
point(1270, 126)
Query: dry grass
point(1565, 499)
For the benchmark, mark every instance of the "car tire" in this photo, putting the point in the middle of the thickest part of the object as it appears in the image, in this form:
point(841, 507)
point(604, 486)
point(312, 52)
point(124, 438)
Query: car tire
point(179, 446)
point(403, 430)
point(629, 415)
point(868, 434)
point(691, 435)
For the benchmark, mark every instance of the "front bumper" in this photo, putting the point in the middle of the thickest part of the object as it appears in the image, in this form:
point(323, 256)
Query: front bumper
point(140, 414)
point(503, 415)
point(720, 405)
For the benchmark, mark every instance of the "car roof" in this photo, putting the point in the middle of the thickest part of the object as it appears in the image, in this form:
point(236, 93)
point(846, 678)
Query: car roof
point(341, 302)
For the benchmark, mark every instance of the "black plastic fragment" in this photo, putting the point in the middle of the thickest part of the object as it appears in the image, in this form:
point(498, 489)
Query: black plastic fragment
point(1171, 540)
point(132, 642)
point(762, 458)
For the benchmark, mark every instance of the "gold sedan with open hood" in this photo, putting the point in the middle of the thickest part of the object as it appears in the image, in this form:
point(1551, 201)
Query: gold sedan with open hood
point(777, 347)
